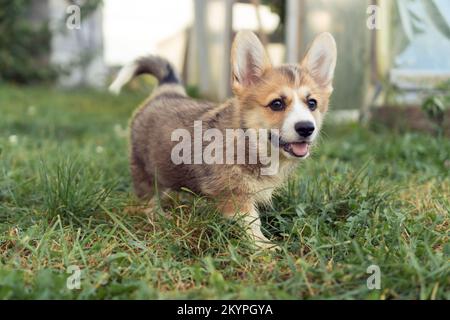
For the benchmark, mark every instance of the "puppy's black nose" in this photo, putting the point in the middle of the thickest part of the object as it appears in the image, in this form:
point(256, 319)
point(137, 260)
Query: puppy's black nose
point(304, 128)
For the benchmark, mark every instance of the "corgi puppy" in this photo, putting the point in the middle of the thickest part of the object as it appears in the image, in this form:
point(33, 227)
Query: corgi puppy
point(289, 100)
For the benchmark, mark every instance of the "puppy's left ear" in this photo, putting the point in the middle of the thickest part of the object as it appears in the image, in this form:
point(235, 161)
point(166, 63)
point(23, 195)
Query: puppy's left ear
point(320, 60)
point(248, 60)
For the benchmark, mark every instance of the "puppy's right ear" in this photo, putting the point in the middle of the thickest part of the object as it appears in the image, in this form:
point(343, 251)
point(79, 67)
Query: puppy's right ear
point(248, 60)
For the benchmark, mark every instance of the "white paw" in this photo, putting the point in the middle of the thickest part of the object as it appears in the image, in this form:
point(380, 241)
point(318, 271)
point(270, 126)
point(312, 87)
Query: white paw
point(266, 245)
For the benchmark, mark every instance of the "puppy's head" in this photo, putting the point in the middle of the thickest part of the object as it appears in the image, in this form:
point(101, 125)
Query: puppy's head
point(291, 98)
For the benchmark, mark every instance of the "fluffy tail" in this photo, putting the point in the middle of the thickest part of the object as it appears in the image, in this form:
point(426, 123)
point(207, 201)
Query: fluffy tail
point(159, 67)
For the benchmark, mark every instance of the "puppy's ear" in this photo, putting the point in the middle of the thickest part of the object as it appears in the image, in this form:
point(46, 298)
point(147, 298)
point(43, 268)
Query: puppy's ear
point(320, 60)
point(248, 60)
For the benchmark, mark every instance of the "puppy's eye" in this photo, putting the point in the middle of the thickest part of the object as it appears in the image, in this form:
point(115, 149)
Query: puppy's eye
point(277, 105)
point(312, 104)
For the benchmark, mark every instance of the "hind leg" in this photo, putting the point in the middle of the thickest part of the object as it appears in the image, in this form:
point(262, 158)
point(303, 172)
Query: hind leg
point(143, 183)
point(145, 190)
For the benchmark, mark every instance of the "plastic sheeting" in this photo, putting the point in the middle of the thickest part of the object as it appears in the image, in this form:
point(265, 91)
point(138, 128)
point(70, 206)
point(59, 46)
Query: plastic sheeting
point(426, 24)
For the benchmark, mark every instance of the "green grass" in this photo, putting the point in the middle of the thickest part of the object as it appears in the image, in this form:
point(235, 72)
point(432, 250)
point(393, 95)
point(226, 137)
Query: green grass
point(365, 197)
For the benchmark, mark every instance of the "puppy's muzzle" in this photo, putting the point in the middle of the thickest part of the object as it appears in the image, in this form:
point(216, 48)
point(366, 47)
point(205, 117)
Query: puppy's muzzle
point(304, 128)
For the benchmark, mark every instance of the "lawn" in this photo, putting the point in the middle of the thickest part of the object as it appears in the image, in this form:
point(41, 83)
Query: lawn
point(365, 197)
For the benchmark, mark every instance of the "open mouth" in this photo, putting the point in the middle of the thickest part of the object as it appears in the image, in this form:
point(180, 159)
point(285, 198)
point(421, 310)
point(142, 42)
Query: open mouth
point(298, 149)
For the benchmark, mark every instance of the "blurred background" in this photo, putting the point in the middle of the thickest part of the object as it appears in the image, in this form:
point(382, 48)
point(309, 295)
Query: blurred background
point(391, 53)
point(376, 191)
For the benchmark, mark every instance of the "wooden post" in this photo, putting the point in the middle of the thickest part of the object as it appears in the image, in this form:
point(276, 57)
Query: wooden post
point(225, 85)
point(379, 59)
point(262, 35)
point(202, 46)
point(294, 40)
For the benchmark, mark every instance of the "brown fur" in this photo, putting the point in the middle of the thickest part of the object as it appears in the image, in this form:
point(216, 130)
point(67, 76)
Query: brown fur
point(236, 188)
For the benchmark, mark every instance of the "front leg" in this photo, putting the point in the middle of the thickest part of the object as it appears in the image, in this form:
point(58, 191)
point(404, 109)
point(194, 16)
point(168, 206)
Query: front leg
point(245, 210)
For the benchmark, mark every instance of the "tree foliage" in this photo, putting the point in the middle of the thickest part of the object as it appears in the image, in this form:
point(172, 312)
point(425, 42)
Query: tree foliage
point(24, 46)
point(25, 43)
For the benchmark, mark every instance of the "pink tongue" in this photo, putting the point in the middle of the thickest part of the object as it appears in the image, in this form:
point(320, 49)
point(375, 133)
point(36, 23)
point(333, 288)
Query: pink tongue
point(300, 149)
